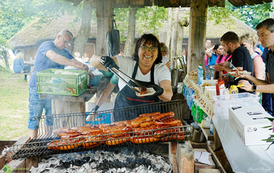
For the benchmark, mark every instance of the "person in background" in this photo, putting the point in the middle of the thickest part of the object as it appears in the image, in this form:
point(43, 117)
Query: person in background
point(213, 52)
point(267, 100)
point(77, 56)
point(164, 51)
point(105, 94)
point(248, 41)
point(144, 66)
point(85, 58)
point(19, 66)
point(240, 59)
point(221, 59)
point(18, 63)
point(184, 56)
point(50, 54)
point(207, 46)
point(265, 31)
point(259, 49)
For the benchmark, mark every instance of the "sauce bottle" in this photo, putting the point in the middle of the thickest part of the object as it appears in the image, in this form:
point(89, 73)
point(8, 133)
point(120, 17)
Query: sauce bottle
point(220, 87)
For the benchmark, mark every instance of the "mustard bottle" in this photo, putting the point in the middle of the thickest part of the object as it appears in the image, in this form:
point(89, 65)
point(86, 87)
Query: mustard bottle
point(233, 89)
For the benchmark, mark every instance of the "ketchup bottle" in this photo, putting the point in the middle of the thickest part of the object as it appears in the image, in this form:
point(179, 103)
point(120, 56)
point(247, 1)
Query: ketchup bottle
point(220, 87)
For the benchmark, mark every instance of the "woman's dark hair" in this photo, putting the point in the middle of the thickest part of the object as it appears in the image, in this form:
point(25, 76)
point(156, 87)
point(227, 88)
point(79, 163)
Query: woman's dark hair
point(216, 46)
point(148, 38)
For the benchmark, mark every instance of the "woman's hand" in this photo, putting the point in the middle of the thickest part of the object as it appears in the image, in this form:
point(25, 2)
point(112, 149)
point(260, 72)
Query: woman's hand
point(246, 85)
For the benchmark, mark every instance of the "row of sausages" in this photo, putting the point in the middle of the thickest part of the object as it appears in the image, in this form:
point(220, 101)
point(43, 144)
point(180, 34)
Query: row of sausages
point(146, 128)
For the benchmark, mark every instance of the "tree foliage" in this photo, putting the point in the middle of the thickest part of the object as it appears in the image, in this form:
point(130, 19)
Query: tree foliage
point(148, 20)
point(250, 14)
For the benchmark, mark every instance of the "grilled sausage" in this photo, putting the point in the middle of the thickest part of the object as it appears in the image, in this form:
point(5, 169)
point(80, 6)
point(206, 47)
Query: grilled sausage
point(163, 115)
point(136, 122)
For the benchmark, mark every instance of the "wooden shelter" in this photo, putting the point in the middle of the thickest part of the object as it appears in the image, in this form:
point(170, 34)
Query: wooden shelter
point(198, 19)
point(104, 11)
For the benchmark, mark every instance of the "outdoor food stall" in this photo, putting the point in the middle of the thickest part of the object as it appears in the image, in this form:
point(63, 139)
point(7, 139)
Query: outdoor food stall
point(157, 140)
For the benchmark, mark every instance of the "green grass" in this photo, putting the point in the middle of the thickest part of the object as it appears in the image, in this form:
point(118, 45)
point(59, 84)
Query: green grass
point(13, 105)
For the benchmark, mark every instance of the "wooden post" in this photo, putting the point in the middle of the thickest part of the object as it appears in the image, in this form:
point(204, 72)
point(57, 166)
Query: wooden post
point(174, 39)
point(104, 13)
point(197, 30)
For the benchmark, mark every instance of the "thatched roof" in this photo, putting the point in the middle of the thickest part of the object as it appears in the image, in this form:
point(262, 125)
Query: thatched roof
point(36, 33)
point(31, 35)
point(214, 30)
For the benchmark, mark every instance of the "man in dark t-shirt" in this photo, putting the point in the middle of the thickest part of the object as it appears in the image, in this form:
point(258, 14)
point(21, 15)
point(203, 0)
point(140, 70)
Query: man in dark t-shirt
point(265, 31)
point(241, 59)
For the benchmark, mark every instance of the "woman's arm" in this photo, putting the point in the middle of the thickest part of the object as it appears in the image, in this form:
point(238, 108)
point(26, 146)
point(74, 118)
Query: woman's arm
point(258, 67)
point(95, 62)
point(167, 94)
point(208, 52)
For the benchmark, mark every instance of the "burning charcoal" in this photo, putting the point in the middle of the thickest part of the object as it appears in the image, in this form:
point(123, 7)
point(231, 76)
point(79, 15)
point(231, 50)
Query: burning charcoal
point(86, 159)
point(51, 165)
point(63, 165)
point(78, 162)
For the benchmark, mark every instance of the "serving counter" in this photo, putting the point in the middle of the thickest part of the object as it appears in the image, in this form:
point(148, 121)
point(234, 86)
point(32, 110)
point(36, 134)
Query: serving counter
point(242, 158)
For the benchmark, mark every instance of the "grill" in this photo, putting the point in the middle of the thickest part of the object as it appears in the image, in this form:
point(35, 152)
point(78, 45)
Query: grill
point(38, 147)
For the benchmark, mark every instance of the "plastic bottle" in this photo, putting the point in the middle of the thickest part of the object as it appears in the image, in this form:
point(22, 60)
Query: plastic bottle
point(211, 71)
point(233, 89)
point(207, 73)
point(194, 110)
point(200, 76)
point(220, 87)
point(211, 127)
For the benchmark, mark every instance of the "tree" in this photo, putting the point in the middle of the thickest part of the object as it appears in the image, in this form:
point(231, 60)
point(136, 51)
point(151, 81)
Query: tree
point(3, 53)
point(84, 32)
point(251, 15)
point(131, 32)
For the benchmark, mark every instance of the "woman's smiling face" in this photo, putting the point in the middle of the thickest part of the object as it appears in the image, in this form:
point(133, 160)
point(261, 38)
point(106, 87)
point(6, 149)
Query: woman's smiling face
point(147, 53)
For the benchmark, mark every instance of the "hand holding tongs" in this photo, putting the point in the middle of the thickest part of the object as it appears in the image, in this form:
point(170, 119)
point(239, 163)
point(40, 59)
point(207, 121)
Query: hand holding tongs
point(115, 71)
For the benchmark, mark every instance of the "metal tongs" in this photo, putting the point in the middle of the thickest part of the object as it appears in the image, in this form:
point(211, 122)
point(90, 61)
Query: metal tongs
point(115, 71)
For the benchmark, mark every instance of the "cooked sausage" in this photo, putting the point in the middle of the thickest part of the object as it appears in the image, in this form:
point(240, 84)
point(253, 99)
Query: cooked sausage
point(149, 114)
point(136, 122)
point(162, 115)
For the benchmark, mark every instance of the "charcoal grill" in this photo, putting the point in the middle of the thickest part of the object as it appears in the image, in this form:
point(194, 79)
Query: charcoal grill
point(38, 147)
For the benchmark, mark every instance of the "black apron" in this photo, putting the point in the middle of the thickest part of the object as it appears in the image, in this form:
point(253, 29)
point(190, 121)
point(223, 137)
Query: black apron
point(127, 97)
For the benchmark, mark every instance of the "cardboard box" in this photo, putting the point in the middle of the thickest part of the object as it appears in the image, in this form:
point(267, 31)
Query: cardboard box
point(248, 123)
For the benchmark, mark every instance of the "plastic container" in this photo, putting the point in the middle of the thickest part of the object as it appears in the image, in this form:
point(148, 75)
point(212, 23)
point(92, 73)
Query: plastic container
point(211, 71)
point(207, 73)
point(220, 87)
point(62, 82)
point(211, 128)
point(223, 102)
point(200, 76)
point(104, 118)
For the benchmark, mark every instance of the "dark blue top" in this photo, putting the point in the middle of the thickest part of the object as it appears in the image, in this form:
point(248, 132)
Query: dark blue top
point(42, 62)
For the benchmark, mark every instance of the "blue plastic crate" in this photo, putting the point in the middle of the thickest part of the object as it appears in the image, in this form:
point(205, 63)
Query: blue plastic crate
point(103, 118)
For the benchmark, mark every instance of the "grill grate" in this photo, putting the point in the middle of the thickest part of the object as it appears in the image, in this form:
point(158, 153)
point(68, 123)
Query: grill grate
point(38, 147)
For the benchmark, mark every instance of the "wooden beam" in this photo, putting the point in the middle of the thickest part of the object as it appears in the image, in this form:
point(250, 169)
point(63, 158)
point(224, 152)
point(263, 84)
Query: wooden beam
point(104, 13)
point(197, 32)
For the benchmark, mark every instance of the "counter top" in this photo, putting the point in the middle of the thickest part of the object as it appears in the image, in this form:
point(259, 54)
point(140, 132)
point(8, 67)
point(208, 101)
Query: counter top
point(84, 97)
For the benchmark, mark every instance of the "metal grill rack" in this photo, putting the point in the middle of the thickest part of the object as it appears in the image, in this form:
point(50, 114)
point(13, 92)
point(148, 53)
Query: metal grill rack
point(38, 146)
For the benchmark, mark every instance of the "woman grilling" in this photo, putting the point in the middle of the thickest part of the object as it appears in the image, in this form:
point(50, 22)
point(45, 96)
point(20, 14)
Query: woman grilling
point(145, 67)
